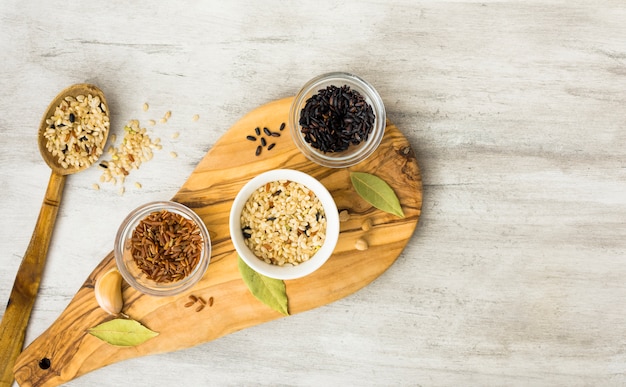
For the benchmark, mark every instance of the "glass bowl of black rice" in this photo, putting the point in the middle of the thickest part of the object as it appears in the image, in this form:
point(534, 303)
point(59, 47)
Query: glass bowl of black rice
point(337, 120)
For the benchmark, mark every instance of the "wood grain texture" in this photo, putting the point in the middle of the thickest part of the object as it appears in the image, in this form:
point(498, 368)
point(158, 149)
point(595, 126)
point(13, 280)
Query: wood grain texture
point(28, 278)
point(515, 112)
point(210, 191)
point(27, 281)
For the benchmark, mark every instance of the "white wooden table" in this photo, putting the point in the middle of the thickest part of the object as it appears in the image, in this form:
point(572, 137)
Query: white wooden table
point(516, 110)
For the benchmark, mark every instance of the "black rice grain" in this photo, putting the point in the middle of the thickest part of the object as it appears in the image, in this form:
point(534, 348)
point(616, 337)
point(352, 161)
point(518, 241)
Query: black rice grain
point(258, 150)
point(251, 138)
point(257, 130)
point(263, 142)
point(272, 145)
point(267, 131)
point(282, 126)
point(335, 118)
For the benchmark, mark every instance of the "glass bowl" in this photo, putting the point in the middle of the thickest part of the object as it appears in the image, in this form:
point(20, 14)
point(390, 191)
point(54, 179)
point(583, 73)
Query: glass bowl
point(355, 153)
point(133, 274)
point(287, 271)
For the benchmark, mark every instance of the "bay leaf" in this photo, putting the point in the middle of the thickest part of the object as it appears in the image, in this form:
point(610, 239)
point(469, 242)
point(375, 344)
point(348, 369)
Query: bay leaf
point(376, 192)
point(268, 290)
point(122, 332)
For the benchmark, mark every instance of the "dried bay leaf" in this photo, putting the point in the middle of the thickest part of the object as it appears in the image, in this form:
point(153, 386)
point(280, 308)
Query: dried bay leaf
point(376, 192)
point(269, 291)
point(122, 332)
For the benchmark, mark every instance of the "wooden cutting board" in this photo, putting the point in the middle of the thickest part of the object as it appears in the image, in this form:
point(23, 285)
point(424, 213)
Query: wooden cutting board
point(210, 190)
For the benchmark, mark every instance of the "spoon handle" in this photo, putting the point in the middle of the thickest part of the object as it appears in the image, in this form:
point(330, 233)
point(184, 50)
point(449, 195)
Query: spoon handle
point(26, 285)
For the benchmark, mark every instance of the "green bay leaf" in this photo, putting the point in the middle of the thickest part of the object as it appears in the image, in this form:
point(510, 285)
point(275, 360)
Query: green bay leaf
point(376, 192)
point(268, 290)
point(122, 332)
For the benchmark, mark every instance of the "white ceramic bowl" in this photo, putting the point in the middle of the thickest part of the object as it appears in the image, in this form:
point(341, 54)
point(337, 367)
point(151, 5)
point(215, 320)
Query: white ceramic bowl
point(286, 271)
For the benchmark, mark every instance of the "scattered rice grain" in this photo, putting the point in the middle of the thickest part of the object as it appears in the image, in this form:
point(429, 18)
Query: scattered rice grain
point(95, 186)
point(136, 147)
point(195, 117)
point(173, 155)
point(175, 134)
point(146, 107)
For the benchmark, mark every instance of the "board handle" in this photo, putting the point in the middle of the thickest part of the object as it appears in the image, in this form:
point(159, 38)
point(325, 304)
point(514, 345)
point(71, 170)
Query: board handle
point(27, 280)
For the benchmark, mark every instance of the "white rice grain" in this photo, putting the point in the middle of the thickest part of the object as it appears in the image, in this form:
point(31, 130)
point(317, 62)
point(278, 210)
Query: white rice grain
point(283, 222)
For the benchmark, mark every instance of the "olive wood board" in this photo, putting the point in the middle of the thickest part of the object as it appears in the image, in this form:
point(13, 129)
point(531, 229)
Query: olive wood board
point(210, 191)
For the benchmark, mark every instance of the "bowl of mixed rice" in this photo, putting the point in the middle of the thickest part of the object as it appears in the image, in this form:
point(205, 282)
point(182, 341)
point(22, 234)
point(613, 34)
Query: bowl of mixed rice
point(284, 224)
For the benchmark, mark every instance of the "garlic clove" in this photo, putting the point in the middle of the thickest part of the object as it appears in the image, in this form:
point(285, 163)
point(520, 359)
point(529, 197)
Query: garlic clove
point(108, 291)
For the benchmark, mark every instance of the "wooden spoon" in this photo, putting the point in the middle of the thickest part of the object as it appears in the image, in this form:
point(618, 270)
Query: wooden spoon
point(26, 285)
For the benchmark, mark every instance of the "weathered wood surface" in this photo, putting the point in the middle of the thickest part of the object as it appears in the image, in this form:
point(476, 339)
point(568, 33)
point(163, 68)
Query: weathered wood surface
point(210, 190)
point(515, 110)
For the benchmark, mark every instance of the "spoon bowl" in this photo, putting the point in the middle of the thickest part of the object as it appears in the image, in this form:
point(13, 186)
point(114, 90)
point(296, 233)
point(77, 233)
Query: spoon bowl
point(28, 278)
point(81, 89)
